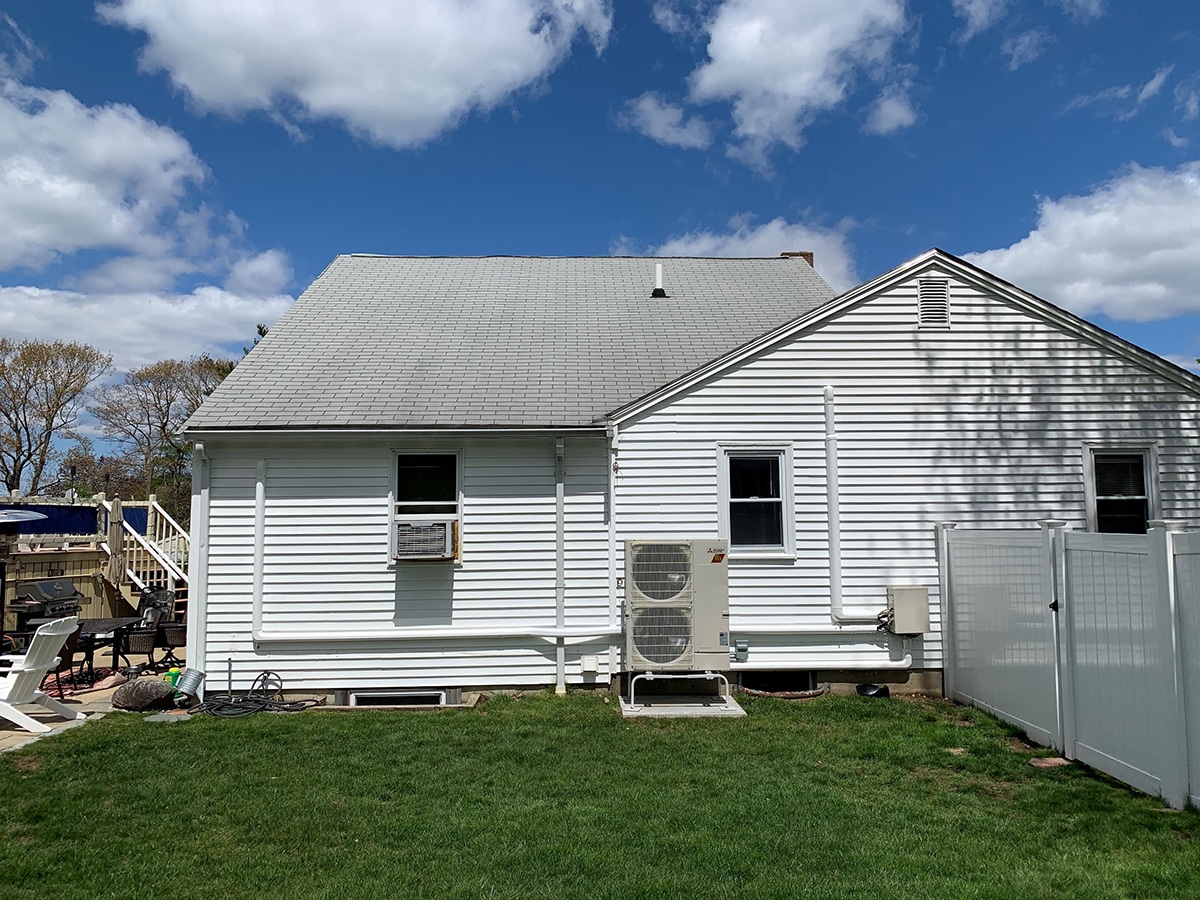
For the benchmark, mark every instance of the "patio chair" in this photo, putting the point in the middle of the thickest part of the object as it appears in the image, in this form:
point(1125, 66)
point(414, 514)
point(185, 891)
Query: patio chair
point(143, 637)
point(170, 636)
point(20, 685)
point(66, 662)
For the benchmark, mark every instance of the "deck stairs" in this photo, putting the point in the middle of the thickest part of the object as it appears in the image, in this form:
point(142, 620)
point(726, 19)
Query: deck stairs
point(156, 560)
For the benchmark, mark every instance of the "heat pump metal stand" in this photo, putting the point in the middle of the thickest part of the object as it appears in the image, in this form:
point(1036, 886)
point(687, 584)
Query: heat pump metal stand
point(681, 705)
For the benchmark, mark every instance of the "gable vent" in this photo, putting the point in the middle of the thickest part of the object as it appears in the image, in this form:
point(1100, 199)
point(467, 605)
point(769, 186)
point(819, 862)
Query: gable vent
point(933, 303)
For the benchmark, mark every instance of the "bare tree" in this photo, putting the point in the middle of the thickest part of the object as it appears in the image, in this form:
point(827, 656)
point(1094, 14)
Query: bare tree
point(144, 414)
point(42, 390)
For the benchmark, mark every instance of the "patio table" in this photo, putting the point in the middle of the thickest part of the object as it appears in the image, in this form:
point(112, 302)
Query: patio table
point(91, 631)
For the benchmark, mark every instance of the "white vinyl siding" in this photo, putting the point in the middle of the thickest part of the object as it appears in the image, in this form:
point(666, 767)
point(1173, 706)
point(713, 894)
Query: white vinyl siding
point(979, 424)
point(327, 568)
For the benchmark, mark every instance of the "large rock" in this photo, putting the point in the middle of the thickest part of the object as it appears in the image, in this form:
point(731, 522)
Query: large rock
point(144, 693)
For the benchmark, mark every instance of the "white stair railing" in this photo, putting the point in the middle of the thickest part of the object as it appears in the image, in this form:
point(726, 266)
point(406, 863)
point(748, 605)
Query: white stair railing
point(163, 553)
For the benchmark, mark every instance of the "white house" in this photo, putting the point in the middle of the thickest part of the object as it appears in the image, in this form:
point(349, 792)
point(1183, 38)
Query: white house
point(524, 417)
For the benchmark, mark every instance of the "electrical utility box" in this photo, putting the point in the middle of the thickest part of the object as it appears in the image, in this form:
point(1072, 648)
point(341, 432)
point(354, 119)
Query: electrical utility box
point(908, 609)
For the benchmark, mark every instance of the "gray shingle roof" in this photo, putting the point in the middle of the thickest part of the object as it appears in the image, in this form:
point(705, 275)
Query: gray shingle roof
point(439, 342)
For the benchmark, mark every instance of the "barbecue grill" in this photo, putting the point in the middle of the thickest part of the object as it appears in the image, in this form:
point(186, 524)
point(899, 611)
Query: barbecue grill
point(53, 598)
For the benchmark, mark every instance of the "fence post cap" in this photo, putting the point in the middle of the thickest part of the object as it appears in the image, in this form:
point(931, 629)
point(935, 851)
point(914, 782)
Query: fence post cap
point(1174, 525)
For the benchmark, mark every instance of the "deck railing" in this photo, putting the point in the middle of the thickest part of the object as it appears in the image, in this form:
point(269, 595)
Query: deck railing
point(159, 559)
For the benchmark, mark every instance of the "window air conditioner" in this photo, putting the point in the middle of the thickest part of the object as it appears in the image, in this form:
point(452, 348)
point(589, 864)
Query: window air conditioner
point(426, 540)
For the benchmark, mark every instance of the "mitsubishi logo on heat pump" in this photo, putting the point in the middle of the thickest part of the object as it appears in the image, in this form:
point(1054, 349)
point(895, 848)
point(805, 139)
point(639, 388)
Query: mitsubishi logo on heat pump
point(718, 555)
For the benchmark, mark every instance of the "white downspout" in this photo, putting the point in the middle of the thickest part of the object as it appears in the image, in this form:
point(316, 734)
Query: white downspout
point(560, 573)
point(260, 544)
point(614, 622)
point(197, 627)
point(835, 521)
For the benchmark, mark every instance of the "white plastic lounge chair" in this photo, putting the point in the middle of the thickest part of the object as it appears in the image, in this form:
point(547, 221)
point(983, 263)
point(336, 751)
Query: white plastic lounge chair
point(22, 681)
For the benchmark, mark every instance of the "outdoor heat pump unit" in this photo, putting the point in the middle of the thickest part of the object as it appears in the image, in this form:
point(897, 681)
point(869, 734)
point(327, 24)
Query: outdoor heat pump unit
point(676, 606)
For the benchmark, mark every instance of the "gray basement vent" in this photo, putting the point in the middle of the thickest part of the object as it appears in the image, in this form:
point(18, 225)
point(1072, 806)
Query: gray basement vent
point(933, 303)
point(451, 697)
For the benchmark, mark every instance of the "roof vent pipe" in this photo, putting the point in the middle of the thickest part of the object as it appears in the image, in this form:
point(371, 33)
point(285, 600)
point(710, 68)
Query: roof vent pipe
point(658, 291)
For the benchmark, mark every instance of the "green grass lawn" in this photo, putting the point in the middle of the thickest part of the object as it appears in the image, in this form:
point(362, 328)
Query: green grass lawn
point(560, 797)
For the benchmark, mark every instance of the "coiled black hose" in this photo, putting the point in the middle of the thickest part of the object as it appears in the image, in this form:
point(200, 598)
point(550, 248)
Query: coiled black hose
point(265, 695)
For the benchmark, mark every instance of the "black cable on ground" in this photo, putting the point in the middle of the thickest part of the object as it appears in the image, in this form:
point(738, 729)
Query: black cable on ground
point(787, 695)
point(265, 695)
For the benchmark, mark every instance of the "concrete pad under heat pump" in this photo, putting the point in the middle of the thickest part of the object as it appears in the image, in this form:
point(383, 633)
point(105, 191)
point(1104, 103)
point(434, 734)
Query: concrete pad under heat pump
point(681, 706)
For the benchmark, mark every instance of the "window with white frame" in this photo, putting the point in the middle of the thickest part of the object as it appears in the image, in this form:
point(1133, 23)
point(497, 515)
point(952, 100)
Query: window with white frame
point(1121, 489)
point(756, 500)
point(426, 506)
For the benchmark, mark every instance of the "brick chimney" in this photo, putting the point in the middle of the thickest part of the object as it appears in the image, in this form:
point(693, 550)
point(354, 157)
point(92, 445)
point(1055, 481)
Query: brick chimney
point(806, 255)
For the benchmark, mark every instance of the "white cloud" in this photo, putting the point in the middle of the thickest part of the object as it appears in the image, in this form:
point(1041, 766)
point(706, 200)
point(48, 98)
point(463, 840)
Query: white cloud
point(264, 275)
point(1174, 139)
point(978, 15)
point(107, 186)
point(398, 73)
point(1083, 9)
point(17, 52)
point(681, 18)
point(1152, 87)
point(1026, 47)
point(891, 111)
point(781, 66)
point(832, 256)
point(664, 122)
point(139, 328)
point(74, 177)
point(1187, 97)
point(1124, 101)
point(1130, 249)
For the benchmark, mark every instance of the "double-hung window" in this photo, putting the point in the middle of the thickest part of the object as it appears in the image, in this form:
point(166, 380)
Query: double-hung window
point(756, 499)
point(426, 509)
point(1121, 488)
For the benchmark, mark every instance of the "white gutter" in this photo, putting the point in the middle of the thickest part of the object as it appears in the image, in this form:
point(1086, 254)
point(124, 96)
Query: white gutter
point(831, 663)
point(197, 625)
point(551, 634)
point(835, 521)
point(560, 564)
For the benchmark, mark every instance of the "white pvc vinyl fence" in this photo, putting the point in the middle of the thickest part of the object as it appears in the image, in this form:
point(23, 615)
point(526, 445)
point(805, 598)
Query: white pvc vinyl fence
point(1187, 580)
point(1079, 640)
point(1001, 628)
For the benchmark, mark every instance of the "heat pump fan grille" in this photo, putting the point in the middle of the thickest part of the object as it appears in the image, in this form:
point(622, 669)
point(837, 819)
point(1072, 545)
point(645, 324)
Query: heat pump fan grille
point(662, 571)
point(662, 636)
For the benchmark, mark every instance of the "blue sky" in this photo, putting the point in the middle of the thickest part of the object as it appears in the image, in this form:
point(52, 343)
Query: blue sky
point(173, 173)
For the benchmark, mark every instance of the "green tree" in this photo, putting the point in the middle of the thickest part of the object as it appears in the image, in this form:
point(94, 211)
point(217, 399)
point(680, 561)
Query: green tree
point(118, 475)
point(43, 388)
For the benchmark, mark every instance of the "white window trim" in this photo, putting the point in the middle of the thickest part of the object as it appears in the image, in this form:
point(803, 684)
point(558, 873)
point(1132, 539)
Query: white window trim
point(1149, 452)
point(786, 479)
point(393, 516)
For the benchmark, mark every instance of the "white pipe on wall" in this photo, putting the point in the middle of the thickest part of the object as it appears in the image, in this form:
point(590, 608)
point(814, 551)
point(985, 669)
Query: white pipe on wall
point(560, 570)
point(835, 520)
point(614, 622)
point(260, 544)
point(197, 628)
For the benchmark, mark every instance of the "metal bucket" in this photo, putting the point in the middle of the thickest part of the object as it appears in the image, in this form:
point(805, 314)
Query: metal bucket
point(189, 682)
